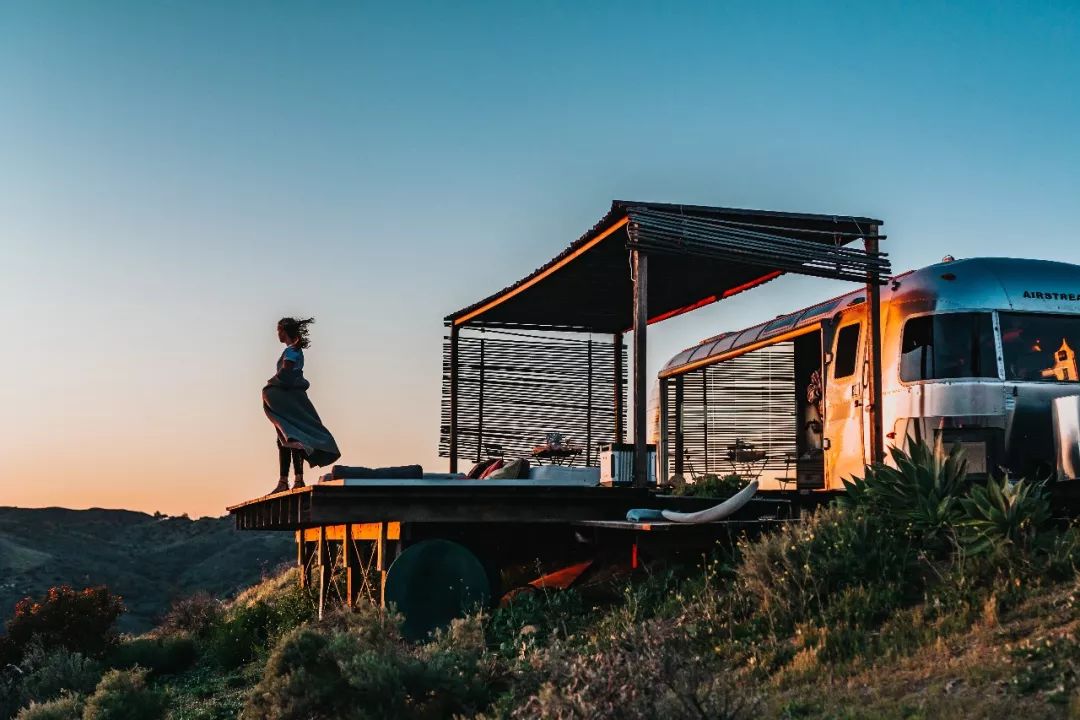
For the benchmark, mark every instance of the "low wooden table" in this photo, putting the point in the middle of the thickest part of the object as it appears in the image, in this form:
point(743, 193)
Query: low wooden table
point(556, 456)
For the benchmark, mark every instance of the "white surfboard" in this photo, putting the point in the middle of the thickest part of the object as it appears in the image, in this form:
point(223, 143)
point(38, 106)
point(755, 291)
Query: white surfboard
point(717, 512)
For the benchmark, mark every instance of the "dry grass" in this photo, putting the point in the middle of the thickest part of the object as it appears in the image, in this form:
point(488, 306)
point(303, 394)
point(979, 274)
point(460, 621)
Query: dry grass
point(270, 588)
point(970, 675)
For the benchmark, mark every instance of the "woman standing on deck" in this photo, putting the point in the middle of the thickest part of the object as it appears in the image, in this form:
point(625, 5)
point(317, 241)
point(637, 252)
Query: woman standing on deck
point(300, 432)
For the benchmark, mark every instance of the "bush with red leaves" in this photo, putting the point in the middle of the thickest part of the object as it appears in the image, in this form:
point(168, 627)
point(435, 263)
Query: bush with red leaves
point(79, 620)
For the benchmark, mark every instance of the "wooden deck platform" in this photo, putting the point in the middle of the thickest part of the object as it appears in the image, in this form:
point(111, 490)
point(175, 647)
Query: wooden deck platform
point(349, 535)
point(476, 502)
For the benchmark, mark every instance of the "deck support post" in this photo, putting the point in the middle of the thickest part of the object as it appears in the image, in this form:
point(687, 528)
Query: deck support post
point(382, 562)
point(303, 558)
point(454, 337)
point(873, 331)
point(640, 263)
point(620, 434)
point(324, 570)
point(352, 567)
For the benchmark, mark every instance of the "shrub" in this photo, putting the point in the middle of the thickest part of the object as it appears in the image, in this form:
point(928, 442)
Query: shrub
point(929, 497)
point(238, 637)
point(123, 695)
point(301, 680)
point(249, 629)
point(357, 667)
point(194, 614)
point(460, 668)
point(713, 486)
point(371, 625)
point(1002, 514)
point(160, 655)
point(50, 673)
point(68, 707)
point(81, 621)
point(1063, 554)
point(608, 683)
point(846, 559)
point(10, 691)
point(532, 617)
point(920, 496)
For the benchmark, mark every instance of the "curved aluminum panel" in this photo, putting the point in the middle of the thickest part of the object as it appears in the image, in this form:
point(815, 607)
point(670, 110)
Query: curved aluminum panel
point(971, 284)
point(1066, 412)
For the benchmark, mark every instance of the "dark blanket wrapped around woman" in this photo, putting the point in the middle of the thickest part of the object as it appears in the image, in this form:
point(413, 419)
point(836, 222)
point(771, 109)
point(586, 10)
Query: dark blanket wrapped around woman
point(286, 403)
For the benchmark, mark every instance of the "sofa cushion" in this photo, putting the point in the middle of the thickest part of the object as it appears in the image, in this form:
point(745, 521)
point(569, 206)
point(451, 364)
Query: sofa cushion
point(403, 472)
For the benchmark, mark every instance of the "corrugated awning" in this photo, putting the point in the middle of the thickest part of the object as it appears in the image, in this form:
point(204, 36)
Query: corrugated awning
point(697, 255)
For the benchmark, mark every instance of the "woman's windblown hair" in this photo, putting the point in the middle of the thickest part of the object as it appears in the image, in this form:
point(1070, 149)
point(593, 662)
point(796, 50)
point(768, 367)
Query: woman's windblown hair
point(296, 329)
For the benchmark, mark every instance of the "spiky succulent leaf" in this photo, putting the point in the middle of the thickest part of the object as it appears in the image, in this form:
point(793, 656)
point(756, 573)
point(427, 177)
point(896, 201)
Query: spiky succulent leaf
point(1004, 513)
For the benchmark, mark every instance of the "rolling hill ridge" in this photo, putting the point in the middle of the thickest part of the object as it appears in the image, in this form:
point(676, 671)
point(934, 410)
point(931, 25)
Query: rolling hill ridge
point(148, 559)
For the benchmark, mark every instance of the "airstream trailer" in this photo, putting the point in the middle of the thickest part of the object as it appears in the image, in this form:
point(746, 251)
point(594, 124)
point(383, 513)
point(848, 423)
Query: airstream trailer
point(980, 352)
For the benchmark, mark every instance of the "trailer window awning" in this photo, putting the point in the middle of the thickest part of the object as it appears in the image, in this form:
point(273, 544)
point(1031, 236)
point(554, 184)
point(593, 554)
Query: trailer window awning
point(697, 254)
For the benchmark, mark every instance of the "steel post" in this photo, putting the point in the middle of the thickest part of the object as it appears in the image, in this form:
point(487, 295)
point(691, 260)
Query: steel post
point(873, 327)
point(640, 262)
point(454, 336)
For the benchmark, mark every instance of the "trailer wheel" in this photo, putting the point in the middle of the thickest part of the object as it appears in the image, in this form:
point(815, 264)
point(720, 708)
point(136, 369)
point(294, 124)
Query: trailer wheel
point(433, 582)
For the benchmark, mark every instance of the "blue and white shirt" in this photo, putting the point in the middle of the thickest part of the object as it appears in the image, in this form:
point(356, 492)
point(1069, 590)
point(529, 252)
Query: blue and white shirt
point(293, 354)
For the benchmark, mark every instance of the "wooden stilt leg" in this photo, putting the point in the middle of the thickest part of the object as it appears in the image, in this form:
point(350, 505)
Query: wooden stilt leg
point(300, 557)
point(382, 563)
point(352, 568)
point(304, 551)
point(324, 570)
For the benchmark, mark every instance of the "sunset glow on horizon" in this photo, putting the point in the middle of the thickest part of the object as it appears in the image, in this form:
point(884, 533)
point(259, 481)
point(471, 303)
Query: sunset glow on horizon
point(175, 177)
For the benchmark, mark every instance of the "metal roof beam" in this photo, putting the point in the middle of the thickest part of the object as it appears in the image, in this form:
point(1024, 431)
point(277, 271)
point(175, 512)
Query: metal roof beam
point(670, 233)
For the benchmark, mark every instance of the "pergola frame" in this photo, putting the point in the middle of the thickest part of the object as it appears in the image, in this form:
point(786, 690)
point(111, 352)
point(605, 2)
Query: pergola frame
point(696, 255)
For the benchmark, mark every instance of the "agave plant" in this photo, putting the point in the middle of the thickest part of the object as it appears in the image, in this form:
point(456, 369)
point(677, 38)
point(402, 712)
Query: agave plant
point(921, 494)
point(1004, 513)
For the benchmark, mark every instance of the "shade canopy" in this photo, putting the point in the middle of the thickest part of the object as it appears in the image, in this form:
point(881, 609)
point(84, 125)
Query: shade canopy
point(697, 255)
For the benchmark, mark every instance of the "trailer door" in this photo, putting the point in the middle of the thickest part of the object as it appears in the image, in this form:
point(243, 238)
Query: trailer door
point(844, 403)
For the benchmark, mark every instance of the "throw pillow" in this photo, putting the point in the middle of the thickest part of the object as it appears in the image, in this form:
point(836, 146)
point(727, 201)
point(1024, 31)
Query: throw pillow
point(512, 470)
point(479, 468)
point(492, 468)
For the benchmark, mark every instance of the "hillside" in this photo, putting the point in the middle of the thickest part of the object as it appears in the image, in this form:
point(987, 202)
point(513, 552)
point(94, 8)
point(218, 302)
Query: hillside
point(919, 594)
point(650, 654)
point(149, 560)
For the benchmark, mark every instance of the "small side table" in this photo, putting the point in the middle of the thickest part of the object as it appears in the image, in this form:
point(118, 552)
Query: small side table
point(555, 456)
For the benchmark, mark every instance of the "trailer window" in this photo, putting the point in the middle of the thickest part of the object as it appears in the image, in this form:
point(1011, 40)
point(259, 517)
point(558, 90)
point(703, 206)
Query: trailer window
point(847, 348)
point(1040, 348)
point(955, 345)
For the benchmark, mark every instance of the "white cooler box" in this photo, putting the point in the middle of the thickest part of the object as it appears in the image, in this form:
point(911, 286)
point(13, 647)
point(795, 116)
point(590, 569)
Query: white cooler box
point(617, 464)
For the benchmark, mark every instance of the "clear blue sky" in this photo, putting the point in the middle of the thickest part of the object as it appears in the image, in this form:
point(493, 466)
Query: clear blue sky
point(174, 176)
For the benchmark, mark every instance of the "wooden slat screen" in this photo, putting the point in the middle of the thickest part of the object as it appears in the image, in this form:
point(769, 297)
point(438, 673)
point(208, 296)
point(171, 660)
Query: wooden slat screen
point(515, 387)
point(749, 398)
